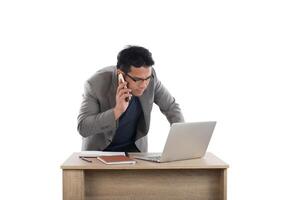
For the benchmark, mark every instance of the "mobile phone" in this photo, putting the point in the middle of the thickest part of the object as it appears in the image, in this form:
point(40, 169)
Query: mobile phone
point(121, 80)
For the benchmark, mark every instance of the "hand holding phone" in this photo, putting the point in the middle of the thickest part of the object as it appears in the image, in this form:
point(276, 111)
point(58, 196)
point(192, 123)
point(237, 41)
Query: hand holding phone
point(123, 96)
point(121, 80)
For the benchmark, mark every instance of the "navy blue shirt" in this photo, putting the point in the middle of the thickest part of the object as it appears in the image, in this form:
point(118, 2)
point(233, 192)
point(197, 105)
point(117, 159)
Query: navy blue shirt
point(126, 131)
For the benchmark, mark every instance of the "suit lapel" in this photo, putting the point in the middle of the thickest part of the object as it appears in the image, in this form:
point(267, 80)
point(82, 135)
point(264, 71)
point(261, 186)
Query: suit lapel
point(145, 107)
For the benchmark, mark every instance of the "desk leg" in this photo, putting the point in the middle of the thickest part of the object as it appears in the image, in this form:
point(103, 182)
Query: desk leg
point(73, 185)
point(223, 184)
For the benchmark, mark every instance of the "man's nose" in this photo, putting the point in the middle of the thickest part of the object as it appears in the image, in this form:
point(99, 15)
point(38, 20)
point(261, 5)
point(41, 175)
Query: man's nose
point(143, 84)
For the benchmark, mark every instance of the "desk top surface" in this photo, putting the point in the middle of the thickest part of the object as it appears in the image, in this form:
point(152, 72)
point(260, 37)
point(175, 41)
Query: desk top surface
point(209, 161)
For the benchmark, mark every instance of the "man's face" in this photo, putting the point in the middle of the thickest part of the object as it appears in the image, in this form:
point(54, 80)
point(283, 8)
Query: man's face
point(138, 79)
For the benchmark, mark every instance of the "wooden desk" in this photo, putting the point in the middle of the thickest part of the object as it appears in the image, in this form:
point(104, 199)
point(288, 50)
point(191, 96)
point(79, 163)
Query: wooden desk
point(204, 178)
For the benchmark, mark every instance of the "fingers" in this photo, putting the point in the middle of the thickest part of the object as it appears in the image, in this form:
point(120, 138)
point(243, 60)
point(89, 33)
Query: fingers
point(125, 95)
point(122, 96)
point(123, 91)
point(121, 86)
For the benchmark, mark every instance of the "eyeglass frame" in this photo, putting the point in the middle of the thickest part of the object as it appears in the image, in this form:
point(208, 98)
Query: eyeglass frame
point(138, 80)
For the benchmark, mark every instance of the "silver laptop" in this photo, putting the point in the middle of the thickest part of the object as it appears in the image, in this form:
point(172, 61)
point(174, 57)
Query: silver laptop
point(185, 141)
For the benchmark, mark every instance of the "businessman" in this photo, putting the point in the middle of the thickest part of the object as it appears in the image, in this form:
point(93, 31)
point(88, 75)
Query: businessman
point(117, 103)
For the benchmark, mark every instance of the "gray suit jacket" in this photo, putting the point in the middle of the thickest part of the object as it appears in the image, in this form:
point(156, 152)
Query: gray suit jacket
point(96, 121)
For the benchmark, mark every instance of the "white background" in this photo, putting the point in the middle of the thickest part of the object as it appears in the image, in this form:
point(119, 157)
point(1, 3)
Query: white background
point(231, 61)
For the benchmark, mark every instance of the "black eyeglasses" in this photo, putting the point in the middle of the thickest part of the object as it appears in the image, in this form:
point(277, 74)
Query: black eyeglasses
point(139, 80)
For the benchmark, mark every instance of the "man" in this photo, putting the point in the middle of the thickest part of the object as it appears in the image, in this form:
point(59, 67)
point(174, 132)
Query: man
point(115, 116)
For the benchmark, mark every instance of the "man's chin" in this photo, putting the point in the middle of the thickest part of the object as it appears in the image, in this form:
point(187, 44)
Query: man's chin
point(138, 93)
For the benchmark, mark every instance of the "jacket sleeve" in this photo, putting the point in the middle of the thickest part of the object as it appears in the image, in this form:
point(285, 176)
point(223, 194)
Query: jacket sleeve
point(91, 120)
point(167, 104)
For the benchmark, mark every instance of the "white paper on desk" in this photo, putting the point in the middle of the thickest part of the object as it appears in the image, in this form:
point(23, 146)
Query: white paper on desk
point(90, 154)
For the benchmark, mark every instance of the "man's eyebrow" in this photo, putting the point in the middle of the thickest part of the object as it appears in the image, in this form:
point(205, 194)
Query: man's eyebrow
point(143, 78)
point(140, 77)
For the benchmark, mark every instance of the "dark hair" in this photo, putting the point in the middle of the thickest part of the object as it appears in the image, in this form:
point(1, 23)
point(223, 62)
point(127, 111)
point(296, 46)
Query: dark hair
point(135, 56)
